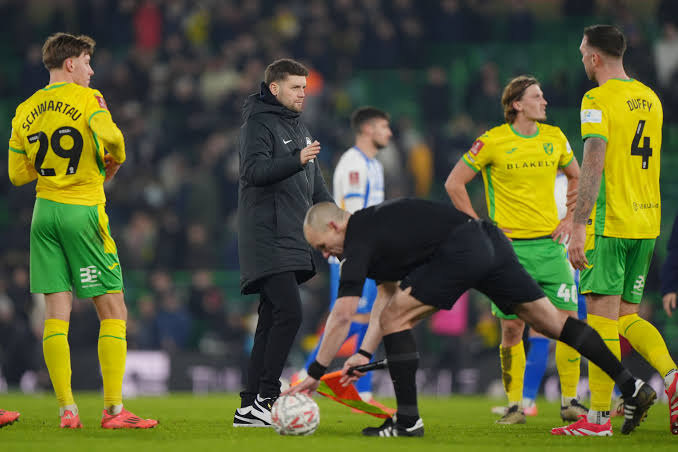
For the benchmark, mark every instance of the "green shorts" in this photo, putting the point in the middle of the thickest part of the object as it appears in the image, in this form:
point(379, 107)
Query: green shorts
point(546, 261)
point(618, 266)
point(71, 246)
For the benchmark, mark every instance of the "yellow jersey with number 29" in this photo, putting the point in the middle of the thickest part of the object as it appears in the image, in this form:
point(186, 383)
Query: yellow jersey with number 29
point(519, 173)
point(628, 116)
point(58, 136)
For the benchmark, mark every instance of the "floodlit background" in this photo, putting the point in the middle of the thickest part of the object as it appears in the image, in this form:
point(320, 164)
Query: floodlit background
point(175, 74)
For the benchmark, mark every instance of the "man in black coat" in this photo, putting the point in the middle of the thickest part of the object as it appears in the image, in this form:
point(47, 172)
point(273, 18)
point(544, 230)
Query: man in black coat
point(280, 180)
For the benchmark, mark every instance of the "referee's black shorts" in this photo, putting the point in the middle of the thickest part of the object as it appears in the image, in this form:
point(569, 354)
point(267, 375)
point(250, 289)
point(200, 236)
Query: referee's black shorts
point(476, 255)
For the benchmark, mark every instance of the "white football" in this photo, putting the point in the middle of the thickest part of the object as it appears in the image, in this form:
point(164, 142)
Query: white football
point(295, 414)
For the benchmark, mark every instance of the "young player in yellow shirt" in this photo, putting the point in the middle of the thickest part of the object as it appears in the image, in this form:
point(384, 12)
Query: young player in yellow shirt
point(60, 136)
point(519, 161)
point(616, 219)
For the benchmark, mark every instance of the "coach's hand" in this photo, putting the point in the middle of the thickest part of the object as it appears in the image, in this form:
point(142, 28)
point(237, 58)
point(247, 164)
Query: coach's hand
point(562, 233)
point(309, 385)
point(110, 166)
point(353, 361)
point(575, 251)
point(669, 301)
point(309, 152)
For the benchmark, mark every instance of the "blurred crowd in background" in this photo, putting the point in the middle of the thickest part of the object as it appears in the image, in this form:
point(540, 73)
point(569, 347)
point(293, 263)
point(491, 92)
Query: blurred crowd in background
point(175, 74)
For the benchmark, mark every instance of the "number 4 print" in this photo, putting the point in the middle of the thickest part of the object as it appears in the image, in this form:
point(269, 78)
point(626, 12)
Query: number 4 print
point(645, 151)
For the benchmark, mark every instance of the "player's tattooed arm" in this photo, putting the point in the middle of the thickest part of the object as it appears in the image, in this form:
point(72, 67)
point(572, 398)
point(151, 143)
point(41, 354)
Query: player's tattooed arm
point(589, 181)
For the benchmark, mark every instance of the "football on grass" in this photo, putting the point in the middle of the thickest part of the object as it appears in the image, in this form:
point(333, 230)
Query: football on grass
point(295, 414)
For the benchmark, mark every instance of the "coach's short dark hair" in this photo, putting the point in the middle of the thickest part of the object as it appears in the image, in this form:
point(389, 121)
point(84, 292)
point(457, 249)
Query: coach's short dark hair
point(61, 46)
point(606, 38)
point(365, 114)
point(514, 91)
point(281, 69)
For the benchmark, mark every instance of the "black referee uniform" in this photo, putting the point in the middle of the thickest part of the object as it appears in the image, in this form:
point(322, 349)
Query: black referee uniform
point(436, 250)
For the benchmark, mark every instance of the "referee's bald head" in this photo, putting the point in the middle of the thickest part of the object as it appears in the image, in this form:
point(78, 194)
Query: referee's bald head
point(320, 215)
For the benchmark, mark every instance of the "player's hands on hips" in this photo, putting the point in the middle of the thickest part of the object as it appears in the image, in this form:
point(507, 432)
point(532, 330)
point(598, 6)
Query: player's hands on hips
point(562, 233)
point(111, 167)
point(353, 361)
point(575, 250)
point(309, 152)
point(308, 385)
point(669, 302)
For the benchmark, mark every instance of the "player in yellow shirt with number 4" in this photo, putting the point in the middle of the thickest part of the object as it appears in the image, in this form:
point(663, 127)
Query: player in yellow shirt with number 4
point(616, 220)
point(60, 136)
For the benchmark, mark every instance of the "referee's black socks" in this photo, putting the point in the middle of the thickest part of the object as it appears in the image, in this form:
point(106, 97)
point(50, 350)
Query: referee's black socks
point(403, 360)
point(587, 341)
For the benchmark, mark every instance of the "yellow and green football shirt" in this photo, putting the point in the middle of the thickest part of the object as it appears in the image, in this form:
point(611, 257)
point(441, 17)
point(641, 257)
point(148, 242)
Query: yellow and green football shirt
point(58, 136)
point(519, 173)
point(628, 116)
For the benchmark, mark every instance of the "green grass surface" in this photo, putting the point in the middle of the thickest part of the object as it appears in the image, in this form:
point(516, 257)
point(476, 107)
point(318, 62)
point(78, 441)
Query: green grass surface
point(192, 424)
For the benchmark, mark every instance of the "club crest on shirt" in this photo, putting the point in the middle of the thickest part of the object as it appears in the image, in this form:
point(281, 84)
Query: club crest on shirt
point(476, 147)
point(354, 178)
point(548, 148)
point(102, 102)
point(308, 141)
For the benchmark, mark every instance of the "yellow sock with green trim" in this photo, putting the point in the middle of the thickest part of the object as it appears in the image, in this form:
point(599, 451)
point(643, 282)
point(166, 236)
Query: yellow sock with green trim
point(58, 359)
point(568, 362)
point(647, 341)
point(112, 355)
point(600, 383)
point(513, 371)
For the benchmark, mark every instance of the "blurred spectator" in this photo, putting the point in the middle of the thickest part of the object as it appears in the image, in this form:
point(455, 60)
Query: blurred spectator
point(434, 99)
point(669, 274)
point(148, 26)
point(482, 95)
point(521, 22)
point(143, 330)
point(173, 324)
point(666, 55)
point(578, 8)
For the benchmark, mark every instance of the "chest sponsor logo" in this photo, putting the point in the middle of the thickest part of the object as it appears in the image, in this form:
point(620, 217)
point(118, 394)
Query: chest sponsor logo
point(534, 164)
point(354, 178)
point(548, 148)
point(591, 116)
point(476, 147)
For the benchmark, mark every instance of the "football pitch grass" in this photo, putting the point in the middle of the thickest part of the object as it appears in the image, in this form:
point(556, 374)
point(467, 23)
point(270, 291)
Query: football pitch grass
point(204, 423)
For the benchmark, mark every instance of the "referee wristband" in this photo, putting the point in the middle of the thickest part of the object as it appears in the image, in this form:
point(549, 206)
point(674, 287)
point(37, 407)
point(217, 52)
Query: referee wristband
point(366, 354)
point(316, 370)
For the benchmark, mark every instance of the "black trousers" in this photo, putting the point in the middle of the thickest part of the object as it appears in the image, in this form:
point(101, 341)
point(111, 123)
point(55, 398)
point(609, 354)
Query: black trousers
point(279, 320)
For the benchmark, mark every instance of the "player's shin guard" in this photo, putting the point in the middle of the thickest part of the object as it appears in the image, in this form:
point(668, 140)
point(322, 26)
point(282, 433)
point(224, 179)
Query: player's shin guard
point(58, 359)
point(568, 361)
point(645, 338)
point(592, 345)
point(112, 355)
point(513, 371)
point(403, 360)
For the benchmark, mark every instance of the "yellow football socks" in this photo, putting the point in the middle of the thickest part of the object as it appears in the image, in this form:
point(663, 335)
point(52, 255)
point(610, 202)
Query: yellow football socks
point(568, 362)
point(112, 354)
point(647, 341)
point(513, 371)
point(600, 383)
point(58, 359)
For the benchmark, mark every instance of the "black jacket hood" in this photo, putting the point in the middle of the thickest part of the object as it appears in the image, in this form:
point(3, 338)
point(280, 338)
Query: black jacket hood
point(265, 102)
